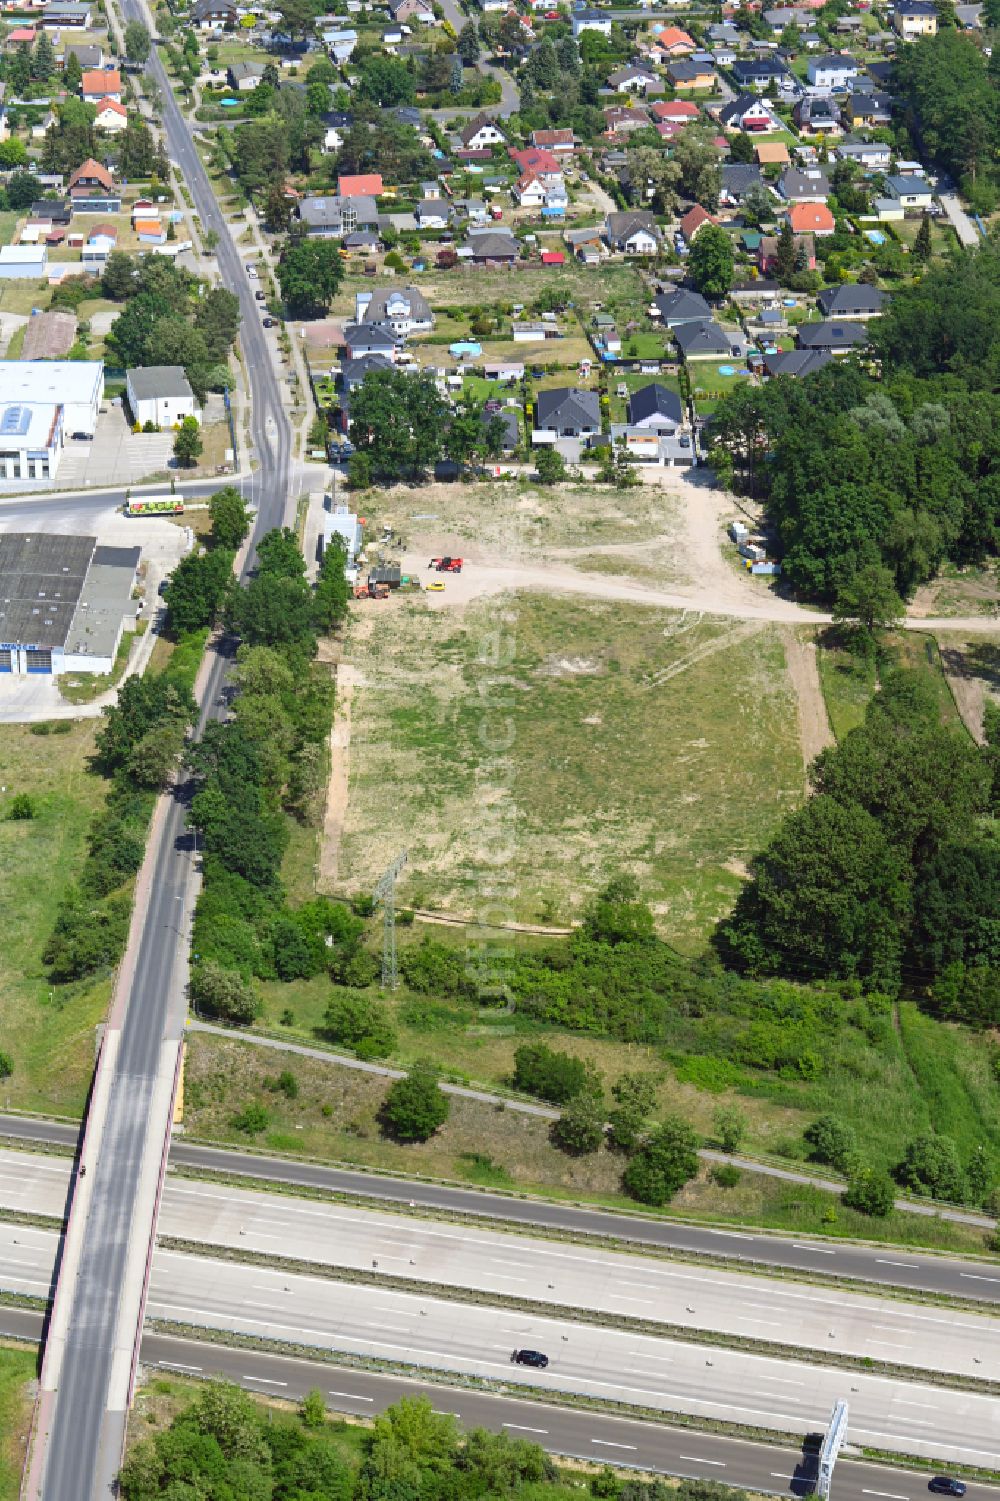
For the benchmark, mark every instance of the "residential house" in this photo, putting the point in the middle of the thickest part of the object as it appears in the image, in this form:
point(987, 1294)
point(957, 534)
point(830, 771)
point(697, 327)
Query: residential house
point(915, 18)
point(912, 192)
point(739, 179)
point(19, 34)
point(335, 123)
point(334, 216)
point(680, 306)
point(749, 113)
point(623, 119)
point(404, 310)
point(591, 20)
point(412, 10)
point(362, 240)
point(432, 213)
point(587, 245)
point(836, 336)
point(556, 142)
point(245, 77)
point(811, 219)
point(854, 300)
point(66, 17)
point(672, 41)
point(510, 417)
point(771, 153)
point(633, 232)
point(111, 117)
point(834, 73)
point(101, 83)
point(694, 220)
point(539, 163)
point(674, 111)
point(210, 15)
point(101, 240)
point(868, 108)
point(873, 156)
point(702, 341)
point(52, 211)
point(969, 17)
point(87, 54)
point(160, 394)
point(655, 409)
point(149, 231)
point(353, 372)
point(765, 74)
point(41, 127)
point(634, 79)
point(767, 253)
point(796, 363)
point(340, 44)
point(361, 184)
point(481, 134)
point(818, 116)
point(782, 16)
point(491, 247)
point(92, 189)
point(566, 412)
point(689, 75)
point(361, 339)
point(804, 187)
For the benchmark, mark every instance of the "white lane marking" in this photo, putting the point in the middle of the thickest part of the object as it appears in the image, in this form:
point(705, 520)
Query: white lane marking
point(776, 1476)
point(351, 1396)
point(881, 1261)
point(696, 1459)
point(265, 1380)
point(887, 1495)
point(888, 1344)
point(175, 1365)
point(973, 1277)
point(782, 1380)
point(902, 1402)
point(819, 1250)
point(443, 1412)
point(523, 1428)
point(607, 1444)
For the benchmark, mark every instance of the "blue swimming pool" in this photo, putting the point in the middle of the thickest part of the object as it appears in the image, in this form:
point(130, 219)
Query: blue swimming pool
point(876, 236)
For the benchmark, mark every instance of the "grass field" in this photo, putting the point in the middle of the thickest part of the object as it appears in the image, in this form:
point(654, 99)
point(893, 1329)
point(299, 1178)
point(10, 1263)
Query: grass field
point(849, 682)
point(17, 1371)
point(334, 1118)
point(50, 1034)
point(658, 742)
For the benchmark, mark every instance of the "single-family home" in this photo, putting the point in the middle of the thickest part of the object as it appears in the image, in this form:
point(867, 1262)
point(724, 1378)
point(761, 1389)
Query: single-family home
point(703, 341)
point(867, 107)
point(19, 34)
point(507, 423)
point(404, 310)
point(674, 111)
point(673, 41)
point(633, 232)
point(245, 77)
point(738, 180)
point(481, 134)
point(353, 372)
point(694, 220)
point(689, 75)
point(749, 113)
point(655, 409)
point(834, 335)
point(101, 240)
point(591, 20)
point(912, 192)
point(760, 73)
point(491, 247)
point(680, 306)
point(811, 219)
point(432, 213)
point(566, 412)
point(854, 300)
point(587, 245)
point(818, 115)
point(60, 16)
point(623, 119)
point(804, 187)
point(160, 394)
point(873, 156)
point(796, 363)
point(149, 231)
point(779, 17)
point(87, 54)
point(557, 142)
point(411, 10)
point(361, 339)
point(111, 116)
point(771, 153)
point(915, 18)
point(529, 191)
point(767, 253)
point(834, 72)
point(340, 43)
point(333, 216)
point(361, 184)
point(335, 123)
point(101, 83)
point(635, 79)
point(969, 17)
point(209, 15)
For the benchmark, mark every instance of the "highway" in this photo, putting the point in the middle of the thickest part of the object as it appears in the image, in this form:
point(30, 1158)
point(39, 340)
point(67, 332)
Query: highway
point(85, 1432)
point(593, 1436)
point(632, 1288)
point(892, 1266)
point(605, 1365)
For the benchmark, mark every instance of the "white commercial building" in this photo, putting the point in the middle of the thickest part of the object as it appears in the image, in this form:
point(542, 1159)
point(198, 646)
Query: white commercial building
point(31, 440)
point(160, 394)
point(64, 603)
point(23, 262)
point(75, 385)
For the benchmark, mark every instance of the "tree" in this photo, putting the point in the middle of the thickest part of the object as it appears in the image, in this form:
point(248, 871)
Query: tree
point(223, 993)
point(332, 588)
point(556, 1077)
point(415, 1106)
point(930, 1167)
point(617, 915)
point(385, 82)
point(784, 258)
point(580, 1128)
point(230, 519)
point(663, 1164)
point(741, 148)
point(196, 589)
point(72, 73)
point(277, 209)
point(550, 466)
point(298, 17)
point(188, 443)
point(13, 153)
point(867, 601)
point(730, 1127)
point(870, 1192)
point(6, 1065)
point(358, 1021)
point(155, 758)
point(313, 1409)
point(217, 319)
point(831, 1142)
point(137, 44)
point(309, 273)
point(118, 276)
point(711, 261)
point(635, 1100)
point(399, 420)
point(469, 49)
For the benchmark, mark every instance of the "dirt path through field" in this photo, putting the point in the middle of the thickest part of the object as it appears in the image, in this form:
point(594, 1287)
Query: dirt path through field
point(348, 678)
point(815, 732)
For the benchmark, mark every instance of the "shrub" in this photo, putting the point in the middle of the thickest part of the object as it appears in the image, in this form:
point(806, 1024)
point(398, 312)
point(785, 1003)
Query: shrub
point(285, 1083)
point(360, 1022)
point(6, 1065)
point(580, 1128)
point(730, 1128)
point(415, 1106)
point(665, 1162)
point(870, 1193)
point(223, 993)
point(22, 806)
point(555, 1077)
point(831, 1142)
point(726, 1175)
point(930, 1166)
point(251, 1120)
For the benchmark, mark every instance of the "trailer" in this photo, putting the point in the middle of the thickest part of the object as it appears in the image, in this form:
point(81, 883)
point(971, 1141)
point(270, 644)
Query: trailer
point(154, 505)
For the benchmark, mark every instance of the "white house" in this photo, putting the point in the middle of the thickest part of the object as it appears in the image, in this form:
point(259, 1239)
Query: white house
point(404, 310)
point(111, 116)
point(529, 191)
point(591, 20)
point(481, 134)
point(912, 192)
point(834, 73)
point(160, 394)
point(340, 44)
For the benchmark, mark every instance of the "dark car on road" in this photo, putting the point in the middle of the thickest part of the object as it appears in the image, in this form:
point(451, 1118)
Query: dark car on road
point(530, 1357)
point(944, 1485)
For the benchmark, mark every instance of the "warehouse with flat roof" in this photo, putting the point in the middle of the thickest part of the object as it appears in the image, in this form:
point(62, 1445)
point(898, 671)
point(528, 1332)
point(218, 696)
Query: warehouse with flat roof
point(64, 602)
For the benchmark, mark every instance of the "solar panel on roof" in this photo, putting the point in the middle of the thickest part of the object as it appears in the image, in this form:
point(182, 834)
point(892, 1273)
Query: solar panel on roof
point(15, 420)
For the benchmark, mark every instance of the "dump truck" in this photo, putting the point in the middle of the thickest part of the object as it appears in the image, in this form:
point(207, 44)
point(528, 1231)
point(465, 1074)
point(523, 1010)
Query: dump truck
point(446, 565)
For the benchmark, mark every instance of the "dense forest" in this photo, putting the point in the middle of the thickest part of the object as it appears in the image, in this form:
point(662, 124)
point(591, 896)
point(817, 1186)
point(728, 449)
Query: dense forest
point(892, 462)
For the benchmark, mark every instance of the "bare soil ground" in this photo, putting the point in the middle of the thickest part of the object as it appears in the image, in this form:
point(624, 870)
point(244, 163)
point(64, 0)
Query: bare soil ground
point(815, 732)
point(973, 672)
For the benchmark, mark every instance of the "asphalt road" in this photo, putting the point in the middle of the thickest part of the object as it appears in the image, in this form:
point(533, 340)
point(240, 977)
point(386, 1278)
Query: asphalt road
point(888, 1265)
point(632, 1287)
point(605, 1365)
point(85, 1438)
point(592, 1436)
point(69, 510)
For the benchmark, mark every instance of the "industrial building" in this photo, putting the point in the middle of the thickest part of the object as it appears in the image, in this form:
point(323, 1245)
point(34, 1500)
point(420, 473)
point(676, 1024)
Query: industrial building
point(42, 403)
point(64, 602)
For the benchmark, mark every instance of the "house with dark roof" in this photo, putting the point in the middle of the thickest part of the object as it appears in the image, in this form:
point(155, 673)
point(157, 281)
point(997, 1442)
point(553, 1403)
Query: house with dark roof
point(796, 362)
point(492, 247)
point(633, 232)
point(567, 412)
point(833, 335)
point(804, 187)
point(656, 409)
point(750, 113)
point(208, 14)
point(481, 134)
point(759, 73)
point(855, 300)
point(681, 306)
point(371, 338)
point(703, 341)
point(738, 180)
point(353, 372)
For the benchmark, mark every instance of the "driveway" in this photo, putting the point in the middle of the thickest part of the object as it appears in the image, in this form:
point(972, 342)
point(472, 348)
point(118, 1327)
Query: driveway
point(116, 456)
point(959, 221)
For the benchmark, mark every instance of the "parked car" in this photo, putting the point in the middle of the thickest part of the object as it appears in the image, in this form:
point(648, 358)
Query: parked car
point(260, 295)
point(268, 322)
point(530, 1357)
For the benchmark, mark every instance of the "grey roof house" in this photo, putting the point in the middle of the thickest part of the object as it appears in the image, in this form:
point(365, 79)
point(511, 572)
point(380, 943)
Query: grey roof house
point(335, 216)
point(702, 341)
point(681, 306)
point(655, 408)
point(851, 300)
point(568, 412)
point(835, 336)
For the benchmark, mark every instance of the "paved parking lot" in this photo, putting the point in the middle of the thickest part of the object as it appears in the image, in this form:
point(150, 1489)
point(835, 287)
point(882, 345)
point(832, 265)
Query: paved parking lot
point(115, 456)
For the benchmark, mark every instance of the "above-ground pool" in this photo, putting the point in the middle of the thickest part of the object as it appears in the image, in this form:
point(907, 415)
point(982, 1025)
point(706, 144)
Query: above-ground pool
point(727, 369)
point(789, 302)
point(876, 236)
point(230, 103)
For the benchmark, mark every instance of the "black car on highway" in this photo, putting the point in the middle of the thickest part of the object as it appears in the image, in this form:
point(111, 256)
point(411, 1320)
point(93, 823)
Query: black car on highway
point(530, 1357)
point(944, 1485)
